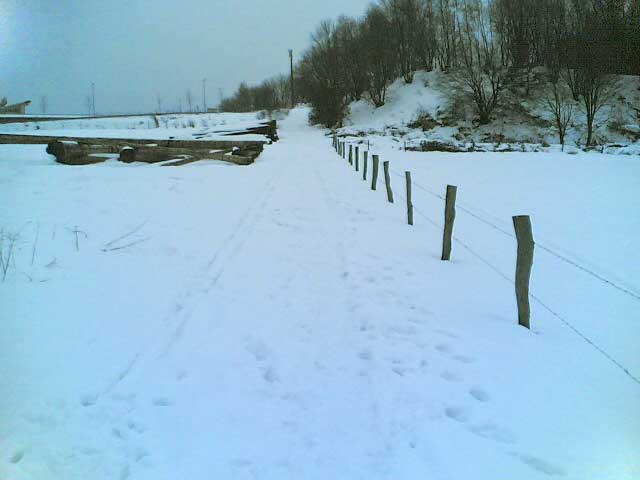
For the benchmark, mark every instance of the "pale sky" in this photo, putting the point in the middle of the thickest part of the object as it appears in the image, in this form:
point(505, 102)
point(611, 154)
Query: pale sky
point(135, 50)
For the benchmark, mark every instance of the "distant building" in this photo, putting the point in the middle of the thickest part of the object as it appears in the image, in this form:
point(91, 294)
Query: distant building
point(213, 110)
point(16, 108)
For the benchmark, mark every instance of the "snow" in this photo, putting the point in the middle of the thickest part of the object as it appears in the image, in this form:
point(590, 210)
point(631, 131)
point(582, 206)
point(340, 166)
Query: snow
point(520, 121)
point(281, 320)
point(21, 116)
point(210, 126)
point(403, 103)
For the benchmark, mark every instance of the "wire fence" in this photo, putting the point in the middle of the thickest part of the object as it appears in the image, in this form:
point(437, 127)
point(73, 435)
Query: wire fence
point(539, 245)
point(509, 279)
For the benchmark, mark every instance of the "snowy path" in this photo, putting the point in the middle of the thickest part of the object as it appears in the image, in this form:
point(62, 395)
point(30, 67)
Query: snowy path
point(291, 325)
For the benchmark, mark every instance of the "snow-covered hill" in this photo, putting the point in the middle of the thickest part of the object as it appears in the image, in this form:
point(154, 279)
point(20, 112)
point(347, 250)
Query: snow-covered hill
point(434, 108)
point(282, 320)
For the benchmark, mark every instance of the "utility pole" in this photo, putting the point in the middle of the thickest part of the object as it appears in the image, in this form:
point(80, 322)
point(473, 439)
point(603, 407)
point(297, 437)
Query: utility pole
point(291, 80)
point(204, 95)
point(93, 98)
point(221, 98)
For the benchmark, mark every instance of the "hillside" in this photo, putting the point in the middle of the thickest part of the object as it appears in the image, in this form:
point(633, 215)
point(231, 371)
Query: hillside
point(434, 108)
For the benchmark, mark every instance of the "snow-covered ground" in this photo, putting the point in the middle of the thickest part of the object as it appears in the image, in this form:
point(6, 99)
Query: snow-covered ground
point(182, 126)
point(22, 116)
point(282, 320)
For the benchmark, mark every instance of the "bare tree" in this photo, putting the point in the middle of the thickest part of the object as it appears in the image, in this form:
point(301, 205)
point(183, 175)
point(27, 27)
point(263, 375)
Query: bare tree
point(407, 20)
point(559, 105)
point(322, 77)
point(159, 103)
point(482, 71)
point(596, 90)
point(381, 65)
point(427, 42)
point(592, 59)
point(447, 33)
point(283, 89)
point(351, 43)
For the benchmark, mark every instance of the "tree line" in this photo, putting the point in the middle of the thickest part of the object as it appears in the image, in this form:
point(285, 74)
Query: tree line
point(488, 44)
point(271, 94)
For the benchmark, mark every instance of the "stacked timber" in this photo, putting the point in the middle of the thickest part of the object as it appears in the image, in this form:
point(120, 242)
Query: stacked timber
point(76, 153)
point(154, 153)
point(268, 129)
point(70, 152)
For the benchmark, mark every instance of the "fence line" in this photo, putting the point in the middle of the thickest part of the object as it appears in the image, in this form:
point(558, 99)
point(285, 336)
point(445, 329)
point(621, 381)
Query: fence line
point(539, 301)
point(539, 245)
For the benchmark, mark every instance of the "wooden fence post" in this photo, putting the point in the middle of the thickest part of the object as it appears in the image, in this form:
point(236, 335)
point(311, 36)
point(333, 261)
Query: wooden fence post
point(343, 151)
point(449, 217)
point(350, 154)
point(387, 181)
point(364, 170)
point(374, 177)
point(407, 176)
point(524, 262)
point(357, 159)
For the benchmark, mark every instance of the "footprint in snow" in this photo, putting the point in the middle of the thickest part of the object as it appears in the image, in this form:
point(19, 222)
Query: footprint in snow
point(125, 473)
point(463, 359)
point(416, 320)
point(258, 349)
point(450, 376)
point(162, 402)
point(443, 348)
point(539, 464)
point(459, 414)
point(364, 355)
point(135, 426)
point(270, 375)
point(446, 334)
point(479, 394)
point(16, 457)
point(88, 400)
point(493, 432)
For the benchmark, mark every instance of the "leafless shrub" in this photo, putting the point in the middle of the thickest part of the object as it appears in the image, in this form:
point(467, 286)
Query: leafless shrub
point(8, 241)
point(560, 107)
point(77, 233)
point(483, 72)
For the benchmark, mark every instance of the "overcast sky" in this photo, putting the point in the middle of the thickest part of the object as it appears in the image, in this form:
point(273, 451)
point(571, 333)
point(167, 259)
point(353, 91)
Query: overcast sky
point(135, 50)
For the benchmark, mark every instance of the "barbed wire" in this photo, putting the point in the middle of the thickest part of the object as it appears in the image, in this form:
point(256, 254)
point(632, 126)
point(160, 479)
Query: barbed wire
point(539, 245)
point(535, 298)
